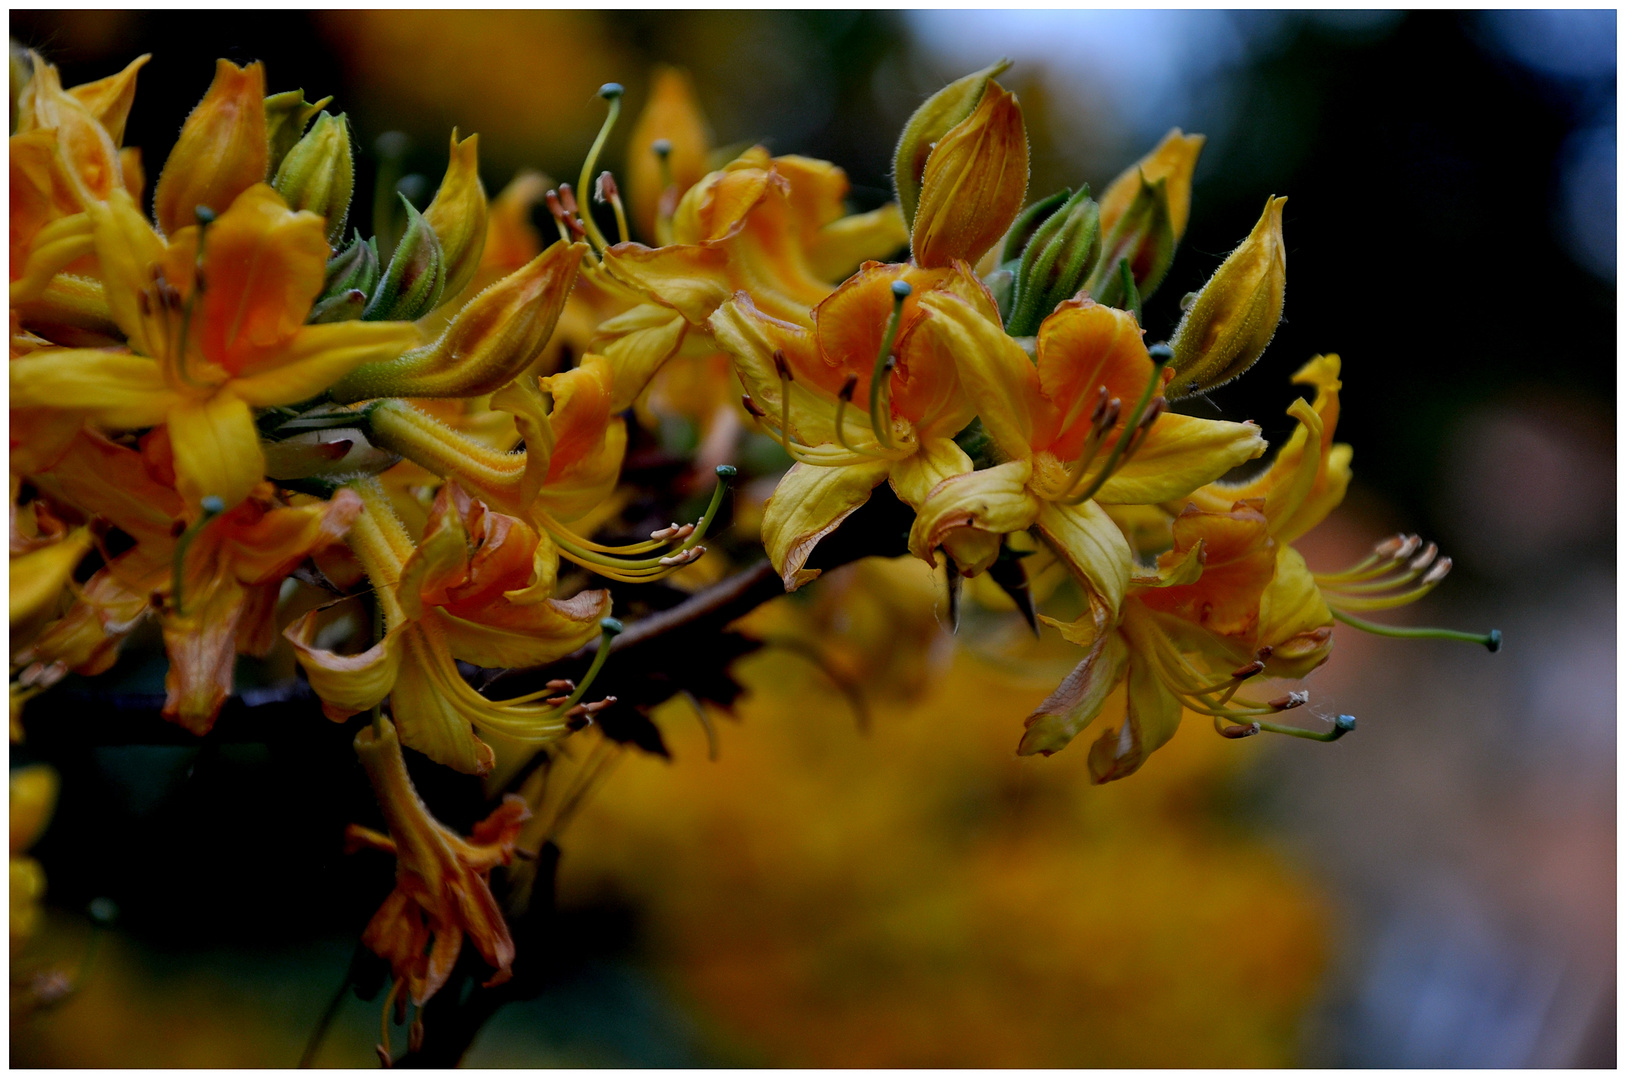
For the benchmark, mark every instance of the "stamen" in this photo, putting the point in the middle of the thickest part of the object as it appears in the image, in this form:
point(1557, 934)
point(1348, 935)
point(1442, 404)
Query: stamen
point(569, 227)
point(881, 376)
point(1425, 558)
point(610, 92)
point(785, 379)
point(1236, 731)
point(608, 629)
point(1160, 355)
point(212, 506)
point(607, 191)
point(751, 406)
point(1290, 701)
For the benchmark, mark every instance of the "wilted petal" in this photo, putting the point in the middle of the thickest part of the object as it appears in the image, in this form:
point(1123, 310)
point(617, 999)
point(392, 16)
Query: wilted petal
point(1077, 701)
point(808, 504)
point(1091, 545)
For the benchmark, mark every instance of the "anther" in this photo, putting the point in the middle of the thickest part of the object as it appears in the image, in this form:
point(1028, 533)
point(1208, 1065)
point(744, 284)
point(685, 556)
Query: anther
point(684, 557)
point(780, 366)
point(1409, 546)
point(751, 406)
point(557, 701)
point(415, 1036)
point(1248, 671)
point(567, 196)
point(561, 684)
point(1100, 410)
point(1263, 653)
point(1239, 731)
point(1110, 416)
point(1158, 407)
point(1390, 548)
point(1425, 558)
point(847, 388)
point(1437, 573)
point(605, 189)
point(176, 528)
point(1290, 701)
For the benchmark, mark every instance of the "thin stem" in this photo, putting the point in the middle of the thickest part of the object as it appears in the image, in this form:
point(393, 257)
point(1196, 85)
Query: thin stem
point(1491, 641)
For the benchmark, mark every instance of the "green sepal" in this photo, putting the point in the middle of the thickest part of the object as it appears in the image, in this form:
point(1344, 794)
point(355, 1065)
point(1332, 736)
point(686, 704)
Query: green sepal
point(286, 115)
point(1144, 236)
point(416, 275)
point(931, 122)
point(1056, 262)
point(1027, 223)
point(319, 173)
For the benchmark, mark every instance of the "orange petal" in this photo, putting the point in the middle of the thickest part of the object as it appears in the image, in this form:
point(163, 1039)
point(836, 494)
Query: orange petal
point(222, 149)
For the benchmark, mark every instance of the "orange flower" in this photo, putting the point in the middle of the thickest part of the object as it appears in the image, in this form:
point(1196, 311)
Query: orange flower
point(442, 881)
point(222, 150)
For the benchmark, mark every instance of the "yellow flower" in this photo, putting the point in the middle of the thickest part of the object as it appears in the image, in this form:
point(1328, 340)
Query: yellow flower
point(1079, 427)
point(215, 323)
point(442, 881)
point(477, 588)
point(860, 397)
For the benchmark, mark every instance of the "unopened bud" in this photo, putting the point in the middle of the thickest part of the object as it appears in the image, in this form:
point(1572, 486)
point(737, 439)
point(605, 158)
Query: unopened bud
point(1143, 239)
point(416, 277)
point(1056, 263)
point(1235, 314)
point(975, 180)
point(353, 269)
point(221, 151)
point(493, 338)
point(319, 174)
point(940, 112)
point(458, 214)
point(286, 116)
point(1174, 160)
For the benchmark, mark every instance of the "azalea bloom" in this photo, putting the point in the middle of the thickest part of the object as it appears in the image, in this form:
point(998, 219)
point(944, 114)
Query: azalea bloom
point(859, 397)
point(1079, 427)
point(442, 881)
point(215, 320)
point(477, 588)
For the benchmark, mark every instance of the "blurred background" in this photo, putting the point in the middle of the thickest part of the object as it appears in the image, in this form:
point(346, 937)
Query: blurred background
point(1436, 890)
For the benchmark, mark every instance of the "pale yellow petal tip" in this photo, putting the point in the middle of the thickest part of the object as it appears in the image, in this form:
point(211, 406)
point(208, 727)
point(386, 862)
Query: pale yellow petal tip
point(1321, 372)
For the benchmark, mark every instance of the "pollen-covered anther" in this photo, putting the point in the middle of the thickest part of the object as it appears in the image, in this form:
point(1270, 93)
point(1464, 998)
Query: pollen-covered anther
point(684, 557)
point(605, 189)
point(1423, 560)
point(1290, 701)
point(558, 701)
point(1239, 731)
point(1437, 573)
point(1248, 670)
point(566, 685)
point(673, 532)
point(1390, 549)
point(599, 705)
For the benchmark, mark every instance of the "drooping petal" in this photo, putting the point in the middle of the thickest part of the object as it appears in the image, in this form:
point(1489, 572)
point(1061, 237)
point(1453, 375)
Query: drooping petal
point(1153, 718)
point(270, 548)
point(994, 501)
point(808, 504)
point(1091, 545)
point(1294, 619)
point(1179, 455)
point(346, 684)
point(127, 249)
point(202, 646)
point(38, 577)
point(217, 449)
point(1077, 701)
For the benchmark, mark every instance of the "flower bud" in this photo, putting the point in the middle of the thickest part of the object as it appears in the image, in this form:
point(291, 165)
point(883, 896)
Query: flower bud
point(1174, 160)
point(674, 115)
point(319, 175)
point(356, 267)
point(109, 99)
point(416, 276)
point(488, 344)
point(458, 214)
point(1234, 316)
point(1142, 238)
point(974, 184)
point(221, 151)
point(940, 112)
point(1056, 262)
point(327, 454)
point(286, 115)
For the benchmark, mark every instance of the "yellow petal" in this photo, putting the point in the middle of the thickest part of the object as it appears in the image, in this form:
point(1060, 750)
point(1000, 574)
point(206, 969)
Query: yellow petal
point(848, 242)
point(458, 215)
point(109, 99)
point(269, 549)
point(318, 356)
point(808, 504)
point(127, 249)
point(1077, 701)
point(1153, 718)
point(346, 684)
point(1294, 619)
point(1091, 545)
point(589, 441)
point(114, 388)
point(38, 578)
point(222, 149)
point(637, 342)
point(217, 449)
point(530, 634)
point(1180, 455)
point(994, 501)
point(937, 460)
point(692, 278)
point(997, 375)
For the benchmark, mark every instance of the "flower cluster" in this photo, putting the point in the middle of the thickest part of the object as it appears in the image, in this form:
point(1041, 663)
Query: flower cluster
point(423, 424)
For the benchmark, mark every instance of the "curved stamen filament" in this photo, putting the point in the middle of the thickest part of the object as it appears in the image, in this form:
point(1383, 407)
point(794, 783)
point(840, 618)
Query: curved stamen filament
point(1491, 641)
point(843, 399)
point(608, 629)
point(1161, 355)
point(610, 92)
point(606, 562)
point(880, 382)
